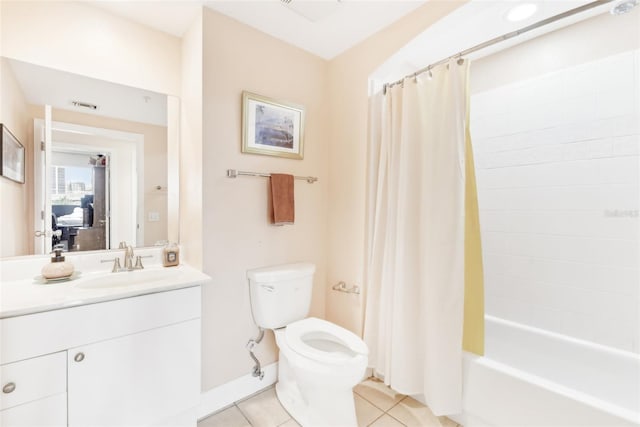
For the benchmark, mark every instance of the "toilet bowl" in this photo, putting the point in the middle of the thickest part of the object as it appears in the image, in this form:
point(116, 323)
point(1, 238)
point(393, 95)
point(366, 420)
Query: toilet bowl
point(320, 363)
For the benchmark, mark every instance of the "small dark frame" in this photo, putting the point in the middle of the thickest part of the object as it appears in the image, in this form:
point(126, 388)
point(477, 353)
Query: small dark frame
point(11, 156)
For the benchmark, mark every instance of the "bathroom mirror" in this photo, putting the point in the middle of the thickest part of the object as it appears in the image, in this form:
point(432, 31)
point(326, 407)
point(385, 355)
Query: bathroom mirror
point(97, 168)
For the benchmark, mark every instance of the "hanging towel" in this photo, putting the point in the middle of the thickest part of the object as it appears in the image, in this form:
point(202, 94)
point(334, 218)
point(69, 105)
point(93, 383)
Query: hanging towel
point(282, 199)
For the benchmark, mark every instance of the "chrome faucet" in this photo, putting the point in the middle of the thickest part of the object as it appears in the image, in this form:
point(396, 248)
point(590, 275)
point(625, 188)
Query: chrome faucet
point(128, 258)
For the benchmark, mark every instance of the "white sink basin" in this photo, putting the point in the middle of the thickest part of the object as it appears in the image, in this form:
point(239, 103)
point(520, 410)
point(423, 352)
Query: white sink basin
point(128, 278)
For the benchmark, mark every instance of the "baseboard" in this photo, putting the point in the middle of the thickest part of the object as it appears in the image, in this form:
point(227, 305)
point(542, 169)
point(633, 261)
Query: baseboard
point(222, 396)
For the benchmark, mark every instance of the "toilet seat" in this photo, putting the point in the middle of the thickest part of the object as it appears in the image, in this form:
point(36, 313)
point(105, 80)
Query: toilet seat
point(324, 341)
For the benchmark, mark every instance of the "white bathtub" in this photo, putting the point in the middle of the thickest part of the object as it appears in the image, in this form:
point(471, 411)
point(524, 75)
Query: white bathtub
point(537, 378)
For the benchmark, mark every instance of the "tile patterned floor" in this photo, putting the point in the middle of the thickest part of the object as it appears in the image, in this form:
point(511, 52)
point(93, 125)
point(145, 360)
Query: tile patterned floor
point(376, 406)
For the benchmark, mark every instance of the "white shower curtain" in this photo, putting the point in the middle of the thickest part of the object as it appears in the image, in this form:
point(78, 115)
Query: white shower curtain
point(415, 238)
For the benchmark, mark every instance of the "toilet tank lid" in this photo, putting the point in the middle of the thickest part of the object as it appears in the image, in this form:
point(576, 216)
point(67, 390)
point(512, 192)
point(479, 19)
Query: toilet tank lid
point(277, 273)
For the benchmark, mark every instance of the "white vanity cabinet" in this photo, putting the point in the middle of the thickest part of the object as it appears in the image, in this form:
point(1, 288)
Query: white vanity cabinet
point(126, 362)
point(34, 391)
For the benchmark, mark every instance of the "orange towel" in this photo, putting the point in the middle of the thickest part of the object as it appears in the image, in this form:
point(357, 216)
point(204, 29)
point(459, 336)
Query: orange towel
point(282, 199)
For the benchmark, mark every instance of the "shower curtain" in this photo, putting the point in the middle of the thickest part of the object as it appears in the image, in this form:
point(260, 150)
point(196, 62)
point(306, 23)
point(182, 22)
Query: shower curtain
point(420, 185)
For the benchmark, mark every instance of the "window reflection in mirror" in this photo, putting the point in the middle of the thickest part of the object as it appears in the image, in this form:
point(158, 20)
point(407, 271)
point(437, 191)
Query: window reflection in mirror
point(79, 200)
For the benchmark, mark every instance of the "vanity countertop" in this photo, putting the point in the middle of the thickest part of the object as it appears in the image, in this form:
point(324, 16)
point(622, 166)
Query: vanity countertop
point(27, 296)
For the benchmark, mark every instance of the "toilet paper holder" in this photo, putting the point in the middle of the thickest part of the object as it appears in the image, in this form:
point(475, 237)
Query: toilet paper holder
point(342, 287)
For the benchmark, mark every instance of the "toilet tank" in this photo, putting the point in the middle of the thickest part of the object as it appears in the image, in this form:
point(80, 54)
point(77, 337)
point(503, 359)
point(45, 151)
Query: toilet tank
point(280, 294)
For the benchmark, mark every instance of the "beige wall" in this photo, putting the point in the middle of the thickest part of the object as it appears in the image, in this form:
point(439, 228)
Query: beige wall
point(16, 232)
point(348, 103)
point(238, 235)
point(155, 162)
point(82, 39)
point(598, 37)
point(191, 231)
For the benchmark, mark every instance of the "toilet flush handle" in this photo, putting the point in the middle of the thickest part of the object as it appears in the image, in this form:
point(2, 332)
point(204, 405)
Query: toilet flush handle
point(268, 288)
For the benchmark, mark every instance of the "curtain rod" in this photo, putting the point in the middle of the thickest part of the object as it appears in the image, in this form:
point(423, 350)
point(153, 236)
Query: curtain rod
point(502, 38)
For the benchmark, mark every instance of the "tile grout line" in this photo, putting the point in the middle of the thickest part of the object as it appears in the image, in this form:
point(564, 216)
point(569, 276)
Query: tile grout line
point(379, 416)
point(377, 407)
point(242, 413)
point(396, 404)
point(386, 413)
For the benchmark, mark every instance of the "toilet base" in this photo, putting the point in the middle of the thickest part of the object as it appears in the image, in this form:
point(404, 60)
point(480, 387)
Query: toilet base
point(314, 406)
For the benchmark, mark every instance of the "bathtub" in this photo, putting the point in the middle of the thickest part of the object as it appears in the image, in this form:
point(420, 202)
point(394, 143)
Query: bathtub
point(532, 377)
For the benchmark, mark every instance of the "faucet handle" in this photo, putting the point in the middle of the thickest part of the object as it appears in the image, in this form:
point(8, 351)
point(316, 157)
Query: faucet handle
point(128, 258)
point(138, 265)
point(116, 265)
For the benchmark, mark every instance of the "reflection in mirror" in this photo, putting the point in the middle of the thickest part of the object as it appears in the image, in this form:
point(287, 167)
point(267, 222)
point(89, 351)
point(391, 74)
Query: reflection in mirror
point(79, 199)
point(100, 178)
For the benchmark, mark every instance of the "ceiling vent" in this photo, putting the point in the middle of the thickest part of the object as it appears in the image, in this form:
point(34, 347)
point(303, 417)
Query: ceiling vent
point(84, 105)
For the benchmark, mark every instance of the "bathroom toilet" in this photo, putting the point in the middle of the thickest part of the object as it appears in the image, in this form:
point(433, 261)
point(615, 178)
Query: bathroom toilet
point(320, 362)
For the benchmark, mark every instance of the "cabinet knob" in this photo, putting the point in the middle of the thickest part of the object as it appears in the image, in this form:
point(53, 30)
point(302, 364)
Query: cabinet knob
point(79, 357)
point(9, 387)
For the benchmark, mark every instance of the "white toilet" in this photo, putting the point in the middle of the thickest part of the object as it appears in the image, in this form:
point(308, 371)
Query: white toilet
point(319, 362)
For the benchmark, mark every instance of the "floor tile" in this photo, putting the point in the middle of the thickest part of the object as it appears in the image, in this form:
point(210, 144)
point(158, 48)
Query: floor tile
point(366, 413)
point(446, 422)
point(377, 393)
point(264, 409)
point(386, 421)
point(290, 423)
point(412, 413)
point(226, 418)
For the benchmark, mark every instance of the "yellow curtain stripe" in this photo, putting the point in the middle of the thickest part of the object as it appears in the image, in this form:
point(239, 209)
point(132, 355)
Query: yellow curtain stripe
point(473, 332)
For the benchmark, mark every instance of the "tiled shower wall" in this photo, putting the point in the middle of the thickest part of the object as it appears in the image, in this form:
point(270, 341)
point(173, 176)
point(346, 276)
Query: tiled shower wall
point(557, 163)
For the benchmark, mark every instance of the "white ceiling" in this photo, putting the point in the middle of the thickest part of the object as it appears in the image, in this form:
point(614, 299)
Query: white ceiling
point(474, 23)
point(41, 85)
point(338, 27)
point(325, 28)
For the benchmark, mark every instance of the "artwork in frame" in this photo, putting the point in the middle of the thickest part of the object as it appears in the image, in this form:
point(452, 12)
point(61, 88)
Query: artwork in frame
point(270, 127)
point(11, 156)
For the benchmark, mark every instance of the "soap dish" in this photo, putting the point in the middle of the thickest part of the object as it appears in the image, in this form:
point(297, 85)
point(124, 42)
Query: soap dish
point(41, 280)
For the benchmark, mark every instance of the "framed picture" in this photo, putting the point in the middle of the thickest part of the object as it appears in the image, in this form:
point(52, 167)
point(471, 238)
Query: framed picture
point(270, 127)
point(11, 156)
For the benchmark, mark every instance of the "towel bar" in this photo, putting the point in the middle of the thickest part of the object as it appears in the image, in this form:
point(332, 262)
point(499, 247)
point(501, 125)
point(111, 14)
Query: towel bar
point(233, 173)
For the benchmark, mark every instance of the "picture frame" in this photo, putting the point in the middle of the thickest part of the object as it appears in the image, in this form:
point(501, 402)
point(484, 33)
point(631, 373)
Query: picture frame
point(11, 156)
point(271, 127)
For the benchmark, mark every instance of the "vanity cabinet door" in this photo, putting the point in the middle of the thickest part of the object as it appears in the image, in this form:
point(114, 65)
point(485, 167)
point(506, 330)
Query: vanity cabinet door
point(138, 379)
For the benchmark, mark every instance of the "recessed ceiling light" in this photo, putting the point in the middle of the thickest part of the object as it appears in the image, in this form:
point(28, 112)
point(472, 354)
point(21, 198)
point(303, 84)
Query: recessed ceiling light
point(521, 12)
point(624, 6)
